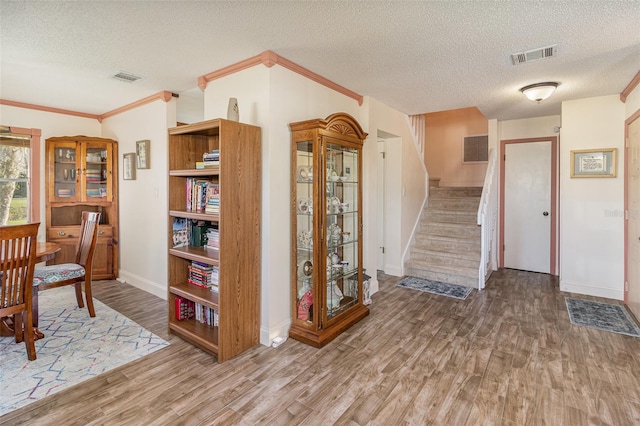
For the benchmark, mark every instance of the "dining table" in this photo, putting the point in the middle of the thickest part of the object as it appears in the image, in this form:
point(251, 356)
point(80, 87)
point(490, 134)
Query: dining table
point(45, 251)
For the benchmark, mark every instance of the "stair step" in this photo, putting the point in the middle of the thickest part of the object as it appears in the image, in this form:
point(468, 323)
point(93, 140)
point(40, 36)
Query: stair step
point(445, 275)
point(454, 192)
point(437, 259)
point(447, 243)
point(455, 216)
point(427, 250)
point(465, 230)
point(459, 203)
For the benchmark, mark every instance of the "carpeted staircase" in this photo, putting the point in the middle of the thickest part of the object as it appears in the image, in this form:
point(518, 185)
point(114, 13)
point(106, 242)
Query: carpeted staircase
point(446, 246)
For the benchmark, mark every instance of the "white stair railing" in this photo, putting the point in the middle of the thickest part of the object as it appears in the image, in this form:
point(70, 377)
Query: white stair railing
point(416, 122)
point(488, 219)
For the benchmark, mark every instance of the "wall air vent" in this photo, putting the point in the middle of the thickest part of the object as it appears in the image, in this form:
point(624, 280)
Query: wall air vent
point(535, 54)
point(126, 77)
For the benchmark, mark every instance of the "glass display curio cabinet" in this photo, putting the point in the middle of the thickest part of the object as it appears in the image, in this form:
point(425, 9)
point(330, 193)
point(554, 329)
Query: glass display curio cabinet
point(326, 205)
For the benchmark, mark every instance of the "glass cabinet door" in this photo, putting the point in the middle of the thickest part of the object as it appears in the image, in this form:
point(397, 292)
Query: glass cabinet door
point(341, 204)
point(65, 175)
point(304, 232)
point(97, 172)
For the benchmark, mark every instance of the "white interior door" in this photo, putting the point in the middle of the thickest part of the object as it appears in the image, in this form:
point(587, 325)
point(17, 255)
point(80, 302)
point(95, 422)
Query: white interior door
point(380, 204)
point(633, 224)
point(527, 206)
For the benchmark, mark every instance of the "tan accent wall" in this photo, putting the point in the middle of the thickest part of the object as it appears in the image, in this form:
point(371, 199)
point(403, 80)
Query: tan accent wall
point(444, 131)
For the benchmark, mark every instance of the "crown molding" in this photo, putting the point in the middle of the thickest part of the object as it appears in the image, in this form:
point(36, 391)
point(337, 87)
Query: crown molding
point(163, 96)
point(47, 109)
point(632, 85)
point(269, 59)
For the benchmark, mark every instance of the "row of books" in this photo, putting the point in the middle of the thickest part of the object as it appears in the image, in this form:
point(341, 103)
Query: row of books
point(204, 275)
point(202, 196)
point(187, 309)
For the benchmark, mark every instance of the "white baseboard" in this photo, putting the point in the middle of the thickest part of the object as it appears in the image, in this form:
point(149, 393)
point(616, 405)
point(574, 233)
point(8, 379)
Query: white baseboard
point(374, 286)
point(143, 284)
point(267, 335)
point(396, 271)
point(591, 290)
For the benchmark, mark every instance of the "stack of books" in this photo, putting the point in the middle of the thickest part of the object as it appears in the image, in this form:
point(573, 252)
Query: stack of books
point(203, 275)
point(185, 308)
point(213, 239)
point(211, 159)
point(213, 199)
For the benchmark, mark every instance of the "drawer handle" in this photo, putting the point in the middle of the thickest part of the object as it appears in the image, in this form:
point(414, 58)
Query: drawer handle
point(100, 232)
point(62, 233)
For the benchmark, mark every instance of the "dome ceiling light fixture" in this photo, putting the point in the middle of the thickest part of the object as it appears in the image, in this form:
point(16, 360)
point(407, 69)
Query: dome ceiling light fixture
point(540, 91)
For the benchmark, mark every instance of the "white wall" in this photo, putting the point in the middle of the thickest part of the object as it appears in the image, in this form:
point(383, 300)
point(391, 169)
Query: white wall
point(632, 103)
point(528, 128)
point(272, 98)
point(591, 209)
point(51, 124)
point(143, 202)
point(405, 187)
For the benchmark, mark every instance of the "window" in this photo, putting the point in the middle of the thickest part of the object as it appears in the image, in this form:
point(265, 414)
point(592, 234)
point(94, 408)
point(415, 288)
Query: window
point(18, 194)
point(475, 149)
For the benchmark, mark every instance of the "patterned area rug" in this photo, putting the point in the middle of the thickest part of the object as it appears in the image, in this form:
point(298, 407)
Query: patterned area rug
point(75, 348)
point(436, 287)
point(601, 316)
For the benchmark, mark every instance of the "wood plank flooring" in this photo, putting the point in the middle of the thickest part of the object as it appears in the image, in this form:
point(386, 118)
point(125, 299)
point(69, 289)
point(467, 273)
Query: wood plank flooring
point(506, 356)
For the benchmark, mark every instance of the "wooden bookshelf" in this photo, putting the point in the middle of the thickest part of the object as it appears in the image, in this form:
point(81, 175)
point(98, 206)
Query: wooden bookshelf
point(237, 301)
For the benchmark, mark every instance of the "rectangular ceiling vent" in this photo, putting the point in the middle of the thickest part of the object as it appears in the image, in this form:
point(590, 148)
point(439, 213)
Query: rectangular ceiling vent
point(535, 54)
point(126, 77)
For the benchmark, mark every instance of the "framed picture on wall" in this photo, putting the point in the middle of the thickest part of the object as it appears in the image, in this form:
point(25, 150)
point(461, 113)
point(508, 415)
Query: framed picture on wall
point(129, 166)
point(142, 150)
point(600, 163)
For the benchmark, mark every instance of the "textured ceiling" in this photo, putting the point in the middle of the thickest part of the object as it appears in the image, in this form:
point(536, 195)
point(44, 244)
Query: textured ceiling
point(415, 56)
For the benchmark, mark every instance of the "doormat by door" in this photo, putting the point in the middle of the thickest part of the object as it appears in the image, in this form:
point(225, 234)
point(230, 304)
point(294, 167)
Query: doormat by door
point(436, 287)
point(601, 316)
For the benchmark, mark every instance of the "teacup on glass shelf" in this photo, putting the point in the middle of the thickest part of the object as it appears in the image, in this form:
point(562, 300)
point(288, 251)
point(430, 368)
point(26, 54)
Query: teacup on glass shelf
point(344, 207)
point(346, 236)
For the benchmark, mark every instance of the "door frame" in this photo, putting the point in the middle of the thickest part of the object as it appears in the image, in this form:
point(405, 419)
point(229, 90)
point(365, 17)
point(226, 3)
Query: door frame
point(553, 202)
point(635, 116)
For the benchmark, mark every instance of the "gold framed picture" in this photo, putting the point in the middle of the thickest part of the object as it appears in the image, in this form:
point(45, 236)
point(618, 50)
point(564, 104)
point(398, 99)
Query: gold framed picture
point(142, 151)
point(593, 163)
point(129, 166)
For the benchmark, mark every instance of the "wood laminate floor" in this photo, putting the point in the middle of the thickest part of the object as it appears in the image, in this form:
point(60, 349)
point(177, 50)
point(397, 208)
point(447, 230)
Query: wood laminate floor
point(506, 356)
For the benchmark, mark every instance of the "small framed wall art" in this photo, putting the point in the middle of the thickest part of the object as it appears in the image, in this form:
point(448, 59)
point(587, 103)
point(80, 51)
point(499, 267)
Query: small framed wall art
point(129, 166)
point(142, 149)
point(595, 163)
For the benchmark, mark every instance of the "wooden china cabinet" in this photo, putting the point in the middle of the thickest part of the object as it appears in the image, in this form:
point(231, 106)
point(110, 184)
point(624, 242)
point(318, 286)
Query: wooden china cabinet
point(326, 240)
point(82, 175)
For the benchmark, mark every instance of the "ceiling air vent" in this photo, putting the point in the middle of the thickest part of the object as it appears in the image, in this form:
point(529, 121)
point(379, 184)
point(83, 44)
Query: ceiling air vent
point(534, 55)
point(126, 77)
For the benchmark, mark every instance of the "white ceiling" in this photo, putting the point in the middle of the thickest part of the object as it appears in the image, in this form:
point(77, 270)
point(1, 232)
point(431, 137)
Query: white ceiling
point(415, 56)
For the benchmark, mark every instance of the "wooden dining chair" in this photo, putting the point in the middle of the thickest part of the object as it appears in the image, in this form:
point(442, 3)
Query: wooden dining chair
point(53, 276)
point(17, 261)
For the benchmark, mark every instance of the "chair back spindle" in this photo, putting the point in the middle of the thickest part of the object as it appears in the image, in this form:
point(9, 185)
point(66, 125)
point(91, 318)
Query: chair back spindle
point(17, 262)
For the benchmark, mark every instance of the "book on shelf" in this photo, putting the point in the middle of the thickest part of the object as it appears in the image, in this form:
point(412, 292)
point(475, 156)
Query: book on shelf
point(198, 233)
point(180, 232)
point(213, 238)
point(185, 308)
point(206, 315)
point(202, 196)
point(203, 275)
